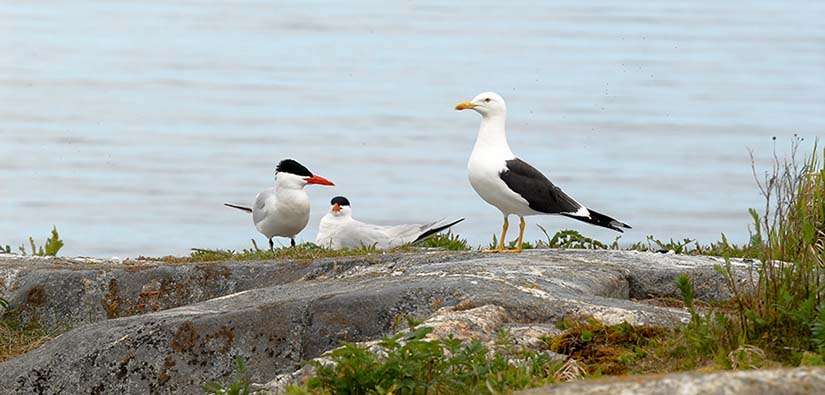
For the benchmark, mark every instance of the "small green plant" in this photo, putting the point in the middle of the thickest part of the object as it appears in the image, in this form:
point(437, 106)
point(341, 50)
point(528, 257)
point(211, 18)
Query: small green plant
point(408, 363)
point(656, 245)
point(570, 239)
point(448, 241)
point(6, 249)
point(707, 334)
point(4, 304)
point(239, 386)
point(51, 247)
point(526, 245)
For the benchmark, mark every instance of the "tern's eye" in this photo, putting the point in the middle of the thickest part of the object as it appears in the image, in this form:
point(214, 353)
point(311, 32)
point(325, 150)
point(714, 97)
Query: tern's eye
point(487, 100)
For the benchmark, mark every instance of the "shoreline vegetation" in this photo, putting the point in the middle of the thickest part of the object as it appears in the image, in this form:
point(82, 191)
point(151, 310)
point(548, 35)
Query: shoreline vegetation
point(778, 321)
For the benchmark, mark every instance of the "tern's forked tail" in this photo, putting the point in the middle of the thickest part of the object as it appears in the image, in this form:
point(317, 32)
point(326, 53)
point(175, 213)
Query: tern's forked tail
point(242, 208)
point(435, 230)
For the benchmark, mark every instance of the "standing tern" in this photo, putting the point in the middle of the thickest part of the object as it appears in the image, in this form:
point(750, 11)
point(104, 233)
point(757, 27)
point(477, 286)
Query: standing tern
point(511, 184)
point(284, 210)
point(339, 230)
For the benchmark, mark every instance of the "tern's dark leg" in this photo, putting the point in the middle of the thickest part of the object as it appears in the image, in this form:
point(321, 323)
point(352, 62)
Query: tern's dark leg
point(271, 245)
point(520, 237)
point(503, 236)
point(292, 241)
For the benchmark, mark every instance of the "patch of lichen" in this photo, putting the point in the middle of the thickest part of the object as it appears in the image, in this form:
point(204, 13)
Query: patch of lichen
point(188, 338)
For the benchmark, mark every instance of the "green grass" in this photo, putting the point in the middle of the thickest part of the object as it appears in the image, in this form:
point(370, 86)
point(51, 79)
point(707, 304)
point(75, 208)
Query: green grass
point(778, 318)
point(304, 251)
point(786, 313)
point(448, 241)
point(18, 337)
point(410, 364)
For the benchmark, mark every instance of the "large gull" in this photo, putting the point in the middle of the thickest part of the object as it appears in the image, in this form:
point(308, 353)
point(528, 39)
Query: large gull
point(511, 184)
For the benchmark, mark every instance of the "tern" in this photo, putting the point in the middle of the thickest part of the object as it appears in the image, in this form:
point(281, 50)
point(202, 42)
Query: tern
point(339, 230)
point(511, 184)
point(284, 210)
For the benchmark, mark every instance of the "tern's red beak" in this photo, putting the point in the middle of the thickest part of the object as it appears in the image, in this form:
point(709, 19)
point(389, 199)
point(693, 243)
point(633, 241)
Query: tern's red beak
point(318, 180)
point(336, 207)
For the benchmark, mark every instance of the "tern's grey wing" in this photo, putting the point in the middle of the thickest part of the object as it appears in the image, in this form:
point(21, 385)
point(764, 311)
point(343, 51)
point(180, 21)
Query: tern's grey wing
point(258, 212)
point(435, 228)
point(357, 234)
point(406, 233)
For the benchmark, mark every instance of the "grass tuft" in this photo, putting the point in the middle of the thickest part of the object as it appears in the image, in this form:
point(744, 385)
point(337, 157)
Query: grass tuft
point(448, 241)
point(18, 337)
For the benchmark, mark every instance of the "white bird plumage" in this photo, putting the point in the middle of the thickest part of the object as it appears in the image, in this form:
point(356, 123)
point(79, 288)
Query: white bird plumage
point(512, 185)
point(338, 229)
point(284, 210)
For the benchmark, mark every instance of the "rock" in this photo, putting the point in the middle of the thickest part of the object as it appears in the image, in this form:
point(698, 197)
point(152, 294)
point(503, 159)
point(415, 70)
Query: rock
point(287, 312)
point(67, 292)
point(798, 381)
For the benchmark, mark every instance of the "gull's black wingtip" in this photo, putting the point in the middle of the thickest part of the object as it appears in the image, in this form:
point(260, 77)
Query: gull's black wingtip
point(599, 219)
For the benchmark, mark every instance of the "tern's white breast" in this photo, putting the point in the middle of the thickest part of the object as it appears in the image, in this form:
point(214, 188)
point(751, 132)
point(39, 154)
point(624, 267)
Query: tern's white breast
point(281, 212)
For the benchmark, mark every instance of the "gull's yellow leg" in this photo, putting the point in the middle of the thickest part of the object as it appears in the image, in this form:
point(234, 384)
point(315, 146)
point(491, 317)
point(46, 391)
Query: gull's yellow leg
point(503, 235)
point(520, 237)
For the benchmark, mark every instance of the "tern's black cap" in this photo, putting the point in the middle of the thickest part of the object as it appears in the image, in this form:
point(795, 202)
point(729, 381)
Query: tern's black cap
point(342, 201)
point(293, 167)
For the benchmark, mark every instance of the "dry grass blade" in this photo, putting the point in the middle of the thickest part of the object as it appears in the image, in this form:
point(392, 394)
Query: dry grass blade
point(572, 370)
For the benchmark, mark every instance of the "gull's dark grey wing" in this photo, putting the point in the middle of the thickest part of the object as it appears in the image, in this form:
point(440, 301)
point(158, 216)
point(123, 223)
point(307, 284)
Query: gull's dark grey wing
point(545, 197)
point(534, 187)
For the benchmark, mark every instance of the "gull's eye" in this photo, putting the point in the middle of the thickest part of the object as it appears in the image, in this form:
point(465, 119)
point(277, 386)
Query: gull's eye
point(487, 100)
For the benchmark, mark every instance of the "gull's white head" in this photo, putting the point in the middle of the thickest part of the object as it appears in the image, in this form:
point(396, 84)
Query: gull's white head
point(291, 174)
point(340, 207)
point(487, 104)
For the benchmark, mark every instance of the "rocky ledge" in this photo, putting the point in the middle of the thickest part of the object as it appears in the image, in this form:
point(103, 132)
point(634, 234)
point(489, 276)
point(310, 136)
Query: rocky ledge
point(152, 328)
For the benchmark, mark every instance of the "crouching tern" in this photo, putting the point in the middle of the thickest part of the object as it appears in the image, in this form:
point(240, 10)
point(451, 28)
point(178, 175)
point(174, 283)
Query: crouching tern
point(511, 184)
point(284, 210)
point(339, 230)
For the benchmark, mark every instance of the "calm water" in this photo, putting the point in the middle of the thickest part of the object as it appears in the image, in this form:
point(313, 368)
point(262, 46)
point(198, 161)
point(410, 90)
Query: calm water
point(127, 124)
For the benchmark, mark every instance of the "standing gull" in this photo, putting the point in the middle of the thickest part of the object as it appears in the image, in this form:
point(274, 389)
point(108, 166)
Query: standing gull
point(339, 230)
point(284, 210)
point(511, 184)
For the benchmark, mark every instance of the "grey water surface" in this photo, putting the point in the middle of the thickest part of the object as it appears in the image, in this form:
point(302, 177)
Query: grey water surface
point(128, 123)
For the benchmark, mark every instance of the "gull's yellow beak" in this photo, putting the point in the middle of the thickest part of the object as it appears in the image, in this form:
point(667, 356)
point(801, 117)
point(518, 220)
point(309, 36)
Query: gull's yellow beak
point(464, 106)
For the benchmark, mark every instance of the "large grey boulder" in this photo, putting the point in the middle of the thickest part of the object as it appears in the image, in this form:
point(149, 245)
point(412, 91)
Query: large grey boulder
point(287, 312)
point(799, 381)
